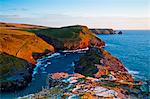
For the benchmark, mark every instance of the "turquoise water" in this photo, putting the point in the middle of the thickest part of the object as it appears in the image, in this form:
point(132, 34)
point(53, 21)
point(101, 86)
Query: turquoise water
point(133, 49)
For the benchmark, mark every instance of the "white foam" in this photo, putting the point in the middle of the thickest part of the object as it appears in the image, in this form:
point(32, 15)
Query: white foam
point(53, 55)
point(133, 72)
point(39, 65)
point(78, 50)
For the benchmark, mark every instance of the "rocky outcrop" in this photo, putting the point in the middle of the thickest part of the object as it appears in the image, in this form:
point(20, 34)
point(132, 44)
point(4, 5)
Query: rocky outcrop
point(77, 86)
point(120, 32)
point(101, 64)
point(15, 73)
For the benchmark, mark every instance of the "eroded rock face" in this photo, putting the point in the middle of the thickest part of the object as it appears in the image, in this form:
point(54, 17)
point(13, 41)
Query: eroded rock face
point(15, 73)
point(99, 63)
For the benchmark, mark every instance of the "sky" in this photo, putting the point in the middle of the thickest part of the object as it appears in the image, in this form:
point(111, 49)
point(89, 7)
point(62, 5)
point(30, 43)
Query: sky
point(116, 14)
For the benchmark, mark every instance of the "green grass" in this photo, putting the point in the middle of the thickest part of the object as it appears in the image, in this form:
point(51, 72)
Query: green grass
point(10, 63)
point(87, 62)
point(110, 85)
point(64, 33)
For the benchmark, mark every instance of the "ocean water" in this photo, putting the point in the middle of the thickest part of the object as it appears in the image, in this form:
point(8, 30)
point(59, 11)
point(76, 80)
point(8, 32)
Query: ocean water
point(133, 49)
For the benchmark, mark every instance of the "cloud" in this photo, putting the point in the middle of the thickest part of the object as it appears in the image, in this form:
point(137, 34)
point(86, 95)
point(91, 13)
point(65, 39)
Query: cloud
point(14, 9)
point(58, 20)
point(9, 16)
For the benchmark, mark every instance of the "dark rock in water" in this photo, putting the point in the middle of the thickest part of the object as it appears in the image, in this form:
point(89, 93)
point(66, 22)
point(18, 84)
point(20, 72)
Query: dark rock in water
point(120, 32)
point(15, 73)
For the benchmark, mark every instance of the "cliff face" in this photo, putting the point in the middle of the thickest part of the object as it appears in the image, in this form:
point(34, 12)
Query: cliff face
point(72, 37)
point(22, 44)
point(103, 31)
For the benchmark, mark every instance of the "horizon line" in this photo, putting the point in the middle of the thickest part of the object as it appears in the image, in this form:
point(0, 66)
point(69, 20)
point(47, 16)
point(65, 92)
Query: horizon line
point(76, 24)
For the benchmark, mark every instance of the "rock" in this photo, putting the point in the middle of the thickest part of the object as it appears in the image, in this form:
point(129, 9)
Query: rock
point(97, 62)
point(59, 75)
point(120, 32)
point(88, 87)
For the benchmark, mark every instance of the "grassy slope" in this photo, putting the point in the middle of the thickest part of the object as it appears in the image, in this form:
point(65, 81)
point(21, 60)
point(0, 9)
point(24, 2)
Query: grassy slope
point(22, 44)
point(71, 37)
point(63, 33)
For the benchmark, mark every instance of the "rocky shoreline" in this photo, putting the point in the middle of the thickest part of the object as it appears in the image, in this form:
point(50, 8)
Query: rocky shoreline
point(96, 70)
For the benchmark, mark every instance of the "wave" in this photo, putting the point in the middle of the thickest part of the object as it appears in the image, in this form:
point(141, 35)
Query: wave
point(133, 72)
point(53, 55)
point(77, 50)
point(42, 66)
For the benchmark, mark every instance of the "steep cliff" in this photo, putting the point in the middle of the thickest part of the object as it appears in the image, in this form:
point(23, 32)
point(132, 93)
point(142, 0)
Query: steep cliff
point(71, 37)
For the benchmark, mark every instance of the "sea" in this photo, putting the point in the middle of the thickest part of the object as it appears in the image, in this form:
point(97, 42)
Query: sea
point(132, 48)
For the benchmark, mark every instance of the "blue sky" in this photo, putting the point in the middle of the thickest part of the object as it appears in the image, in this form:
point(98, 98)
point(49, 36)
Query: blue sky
point(117, 14)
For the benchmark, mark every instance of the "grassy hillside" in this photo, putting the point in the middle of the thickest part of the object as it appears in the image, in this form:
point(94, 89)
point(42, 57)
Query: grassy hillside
point(22, 44)
point(71, 32)
point(70, 37)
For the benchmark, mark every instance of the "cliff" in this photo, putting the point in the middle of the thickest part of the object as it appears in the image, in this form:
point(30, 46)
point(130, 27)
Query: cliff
point(103, 31)
point(71, 37)
point(99, 63)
